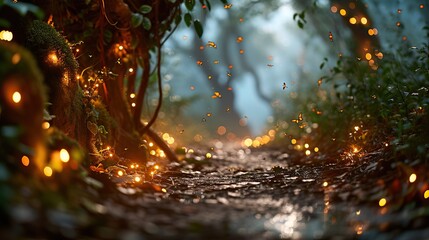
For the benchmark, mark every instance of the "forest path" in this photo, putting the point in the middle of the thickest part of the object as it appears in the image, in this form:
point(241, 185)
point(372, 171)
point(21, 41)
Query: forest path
point(262, 194)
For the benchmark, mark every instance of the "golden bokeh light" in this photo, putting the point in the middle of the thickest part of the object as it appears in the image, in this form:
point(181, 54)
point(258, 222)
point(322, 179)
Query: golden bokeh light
point(334, 9)
point(413, 178)
point(47, 171)
point(16, 97)
point(382, 202)
point(353, 20)
point(221, 130)
point(247, 142)
point(343, 12)
point(368, 57)
point(25, 161)
point(364, 20)
point(426, 194)
point(46, 125)
point(16, 58)
point(6, 35)
point(64, 155)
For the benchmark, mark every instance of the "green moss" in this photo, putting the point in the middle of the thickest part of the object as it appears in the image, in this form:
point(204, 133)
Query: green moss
point(41, 37)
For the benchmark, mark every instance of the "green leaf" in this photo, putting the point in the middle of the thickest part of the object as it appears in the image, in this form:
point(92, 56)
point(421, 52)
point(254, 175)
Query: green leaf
point(145, 9)
point(146, 23)
point(190, 4)
point(136, 19)
point(198, 28)
point(300, 24)
point(224, 1)
point(188, 19)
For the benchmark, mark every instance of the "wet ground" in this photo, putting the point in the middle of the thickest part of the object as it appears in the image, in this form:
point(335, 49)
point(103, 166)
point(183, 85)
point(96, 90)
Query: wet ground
point(261, 194)
point(236, 194)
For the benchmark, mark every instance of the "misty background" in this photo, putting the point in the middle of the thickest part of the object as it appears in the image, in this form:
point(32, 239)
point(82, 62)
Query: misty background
point(253, 60)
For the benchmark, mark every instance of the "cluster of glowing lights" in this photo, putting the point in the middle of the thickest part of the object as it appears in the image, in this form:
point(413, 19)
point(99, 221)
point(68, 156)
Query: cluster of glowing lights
point(134, 166)
point(355, 149)
point(6, 35)
point(305, 146)
point(169, 139)
point(259, 141)
point(156, 152)
point(372, 32)
point(154, 170)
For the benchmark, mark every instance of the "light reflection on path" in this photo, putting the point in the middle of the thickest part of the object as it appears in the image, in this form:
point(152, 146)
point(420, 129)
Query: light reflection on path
point(288, 203)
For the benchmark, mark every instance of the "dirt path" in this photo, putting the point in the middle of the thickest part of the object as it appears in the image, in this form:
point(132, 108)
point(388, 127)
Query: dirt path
point(235, 194)
point(261, 195)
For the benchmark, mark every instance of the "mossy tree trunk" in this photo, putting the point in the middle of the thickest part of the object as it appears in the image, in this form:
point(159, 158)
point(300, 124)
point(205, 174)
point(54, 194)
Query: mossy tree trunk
point(114, 38)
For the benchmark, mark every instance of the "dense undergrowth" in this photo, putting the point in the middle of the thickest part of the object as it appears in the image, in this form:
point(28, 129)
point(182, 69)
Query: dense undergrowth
point(362, 105)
